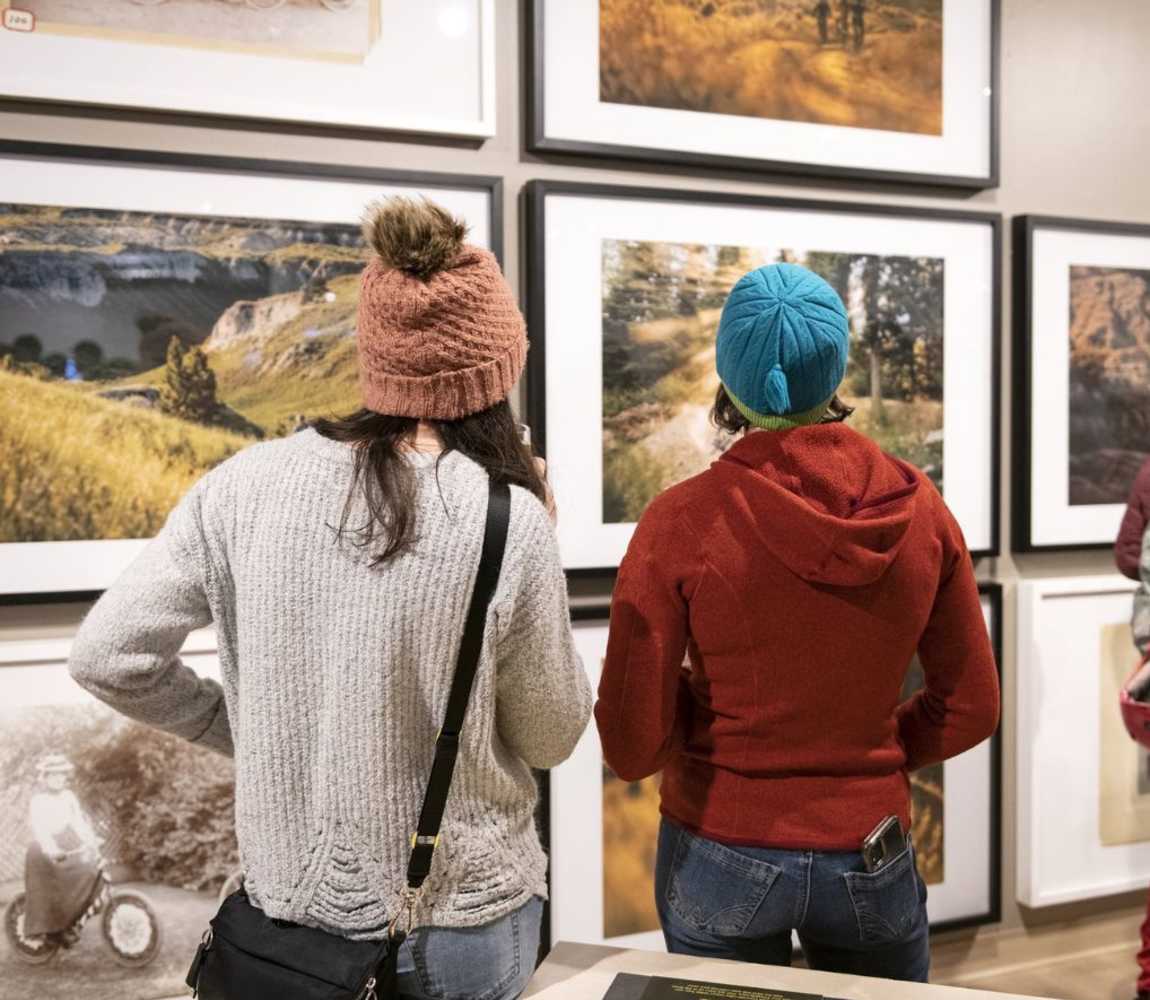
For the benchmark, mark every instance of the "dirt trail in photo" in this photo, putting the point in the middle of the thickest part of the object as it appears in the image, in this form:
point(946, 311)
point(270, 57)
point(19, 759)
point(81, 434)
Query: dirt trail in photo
point(687, 441)
point(786, 78)
point(300, 24)
point(765, 60)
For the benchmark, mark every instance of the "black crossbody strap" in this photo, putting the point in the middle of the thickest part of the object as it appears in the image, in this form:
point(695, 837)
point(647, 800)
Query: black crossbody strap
point(447, 743)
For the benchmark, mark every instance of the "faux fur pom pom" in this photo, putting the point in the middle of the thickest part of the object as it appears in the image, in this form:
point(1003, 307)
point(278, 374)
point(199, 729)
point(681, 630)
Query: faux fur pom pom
point(417, 237)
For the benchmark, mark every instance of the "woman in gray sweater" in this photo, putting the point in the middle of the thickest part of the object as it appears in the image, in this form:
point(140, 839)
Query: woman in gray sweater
point(336, 566)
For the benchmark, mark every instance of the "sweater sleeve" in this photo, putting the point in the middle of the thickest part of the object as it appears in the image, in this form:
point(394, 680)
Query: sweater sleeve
point(126, 652)
point(543, 697)
point(639, 692)
point(1128, 547)
point(958, 706)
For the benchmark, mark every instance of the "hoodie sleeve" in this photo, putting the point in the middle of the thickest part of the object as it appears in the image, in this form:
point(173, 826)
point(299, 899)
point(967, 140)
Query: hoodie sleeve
point(126, 653)
point(958, 706)
point(639, 690)
point(1128, 547)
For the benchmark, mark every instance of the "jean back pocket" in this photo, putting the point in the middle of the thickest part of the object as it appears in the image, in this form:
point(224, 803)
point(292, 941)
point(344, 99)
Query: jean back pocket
point(477, 963)
point(716, 889)
point(889, 903)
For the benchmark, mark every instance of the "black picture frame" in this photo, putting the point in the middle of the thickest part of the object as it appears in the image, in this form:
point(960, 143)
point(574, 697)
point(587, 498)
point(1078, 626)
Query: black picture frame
point(492, 185)
point(993, 592)
point(534, 280)
point(538, 142)
point(1023, 232)
point(281, 168)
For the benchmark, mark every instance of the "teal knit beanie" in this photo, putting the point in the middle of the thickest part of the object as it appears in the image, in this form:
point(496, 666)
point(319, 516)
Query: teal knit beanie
point(782, 346)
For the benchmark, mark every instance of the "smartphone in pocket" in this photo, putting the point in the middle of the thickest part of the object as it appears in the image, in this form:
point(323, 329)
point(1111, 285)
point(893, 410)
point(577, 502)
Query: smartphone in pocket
point(883, 844)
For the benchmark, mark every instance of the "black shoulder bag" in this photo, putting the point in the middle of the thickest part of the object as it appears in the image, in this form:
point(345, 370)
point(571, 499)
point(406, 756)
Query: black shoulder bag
point(246, 955)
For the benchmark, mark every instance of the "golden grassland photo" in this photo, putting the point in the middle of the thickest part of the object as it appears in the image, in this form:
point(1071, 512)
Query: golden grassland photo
point(333, 29)
point(927, 803)
point(151, 812)
point(630, 842)
point(661, 308)
point(138, 350)
point(875, 64)
point(1109, 382)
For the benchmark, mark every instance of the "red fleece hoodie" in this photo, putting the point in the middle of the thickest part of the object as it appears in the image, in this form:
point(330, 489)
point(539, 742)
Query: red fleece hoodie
point(799, 574)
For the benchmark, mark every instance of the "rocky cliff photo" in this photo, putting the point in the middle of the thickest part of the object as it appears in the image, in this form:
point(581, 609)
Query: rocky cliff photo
point(139, 350)
point(1109, 382)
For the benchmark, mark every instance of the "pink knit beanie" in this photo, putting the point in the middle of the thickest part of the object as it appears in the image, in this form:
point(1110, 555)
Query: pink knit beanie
point(440, 336)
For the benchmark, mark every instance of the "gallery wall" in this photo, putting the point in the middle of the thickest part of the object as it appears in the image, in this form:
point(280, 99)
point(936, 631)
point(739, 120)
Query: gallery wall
point(1075, 142)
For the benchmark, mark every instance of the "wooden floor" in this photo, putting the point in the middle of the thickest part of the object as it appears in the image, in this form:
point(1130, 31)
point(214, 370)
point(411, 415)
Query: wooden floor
point(1094, 960)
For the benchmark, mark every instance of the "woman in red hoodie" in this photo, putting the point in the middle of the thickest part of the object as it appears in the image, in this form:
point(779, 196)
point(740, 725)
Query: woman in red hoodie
point(799, 576)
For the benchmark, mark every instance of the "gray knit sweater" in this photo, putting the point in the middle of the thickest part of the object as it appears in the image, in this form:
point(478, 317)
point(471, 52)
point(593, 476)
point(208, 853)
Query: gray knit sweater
point(335, 681)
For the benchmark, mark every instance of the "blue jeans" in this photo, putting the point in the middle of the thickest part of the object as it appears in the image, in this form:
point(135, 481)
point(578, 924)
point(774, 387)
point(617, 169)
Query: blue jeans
point(743, 903)
point(492, 962)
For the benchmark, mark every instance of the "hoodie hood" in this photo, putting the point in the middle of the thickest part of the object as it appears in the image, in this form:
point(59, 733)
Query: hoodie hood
point(825, 500)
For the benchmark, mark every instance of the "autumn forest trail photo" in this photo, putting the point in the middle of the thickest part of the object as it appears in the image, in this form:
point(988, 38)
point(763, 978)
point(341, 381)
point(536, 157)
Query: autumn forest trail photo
point(878, 68)
point(661, 308)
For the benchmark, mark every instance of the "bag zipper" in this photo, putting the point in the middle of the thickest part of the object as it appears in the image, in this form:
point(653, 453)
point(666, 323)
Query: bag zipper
point(367, 991)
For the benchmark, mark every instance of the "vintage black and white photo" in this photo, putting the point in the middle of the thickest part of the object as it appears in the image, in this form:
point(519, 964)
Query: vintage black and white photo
point(116, 840)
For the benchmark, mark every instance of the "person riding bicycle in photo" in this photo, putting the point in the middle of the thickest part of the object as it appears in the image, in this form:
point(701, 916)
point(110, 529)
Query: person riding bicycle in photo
point(62, 864)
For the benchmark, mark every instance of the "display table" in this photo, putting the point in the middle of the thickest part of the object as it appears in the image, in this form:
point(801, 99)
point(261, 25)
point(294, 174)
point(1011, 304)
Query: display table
point(585, 972)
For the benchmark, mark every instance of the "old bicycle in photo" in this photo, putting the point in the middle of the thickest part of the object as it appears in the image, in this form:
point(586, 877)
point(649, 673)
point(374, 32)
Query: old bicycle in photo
point(128, 923)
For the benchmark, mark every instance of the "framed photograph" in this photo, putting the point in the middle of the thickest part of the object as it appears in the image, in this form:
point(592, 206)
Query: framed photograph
point(892, 90)
point(159, 314)
point(376, 64)
point(115, 839)
point(625, 290)
point(1082, 378)
point(604, 831)
point(1075, 650)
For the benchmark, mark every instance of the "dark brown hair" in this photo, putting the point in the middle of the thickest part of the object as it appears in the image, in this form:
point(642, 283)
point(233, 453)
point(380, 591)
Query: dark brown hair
point(726, 416)
point(386, 481)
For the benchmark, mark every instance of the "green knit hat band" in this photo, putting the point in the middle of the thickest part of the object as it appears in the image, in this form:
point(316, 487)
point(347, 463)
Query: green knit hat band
point(773, 422)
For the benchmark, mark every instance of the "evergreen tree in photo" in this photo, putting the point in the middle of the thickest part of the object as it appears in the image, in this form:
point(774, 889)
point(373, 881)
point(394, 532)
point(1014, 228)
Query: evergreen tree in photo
point(896, 309)
point(56, 363)
point(89, 356)
point(27, 347)
point(156, 332)
point(189, 390)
